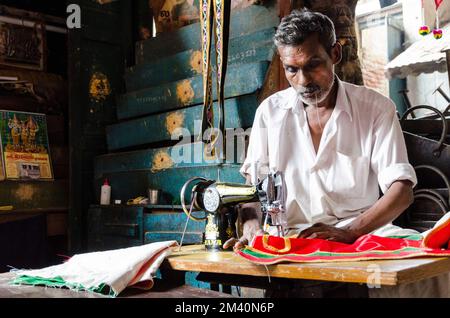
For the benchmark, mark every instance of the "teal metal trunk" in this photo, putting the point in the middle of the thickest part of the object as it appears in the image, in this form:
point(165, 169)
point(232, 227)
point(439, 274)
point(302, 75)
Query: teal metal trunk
point(241, 79)
point(243, 22)
point(239, 113)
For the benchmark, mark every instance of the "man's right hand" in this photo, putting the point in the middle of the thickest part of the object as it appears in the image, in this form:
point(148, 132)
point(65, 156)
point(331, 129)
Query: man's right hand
point(251, 228)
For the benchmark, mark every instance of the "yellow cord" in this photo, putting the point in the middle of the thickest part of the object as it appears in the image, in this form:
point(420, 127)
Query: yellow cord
point(287, 245)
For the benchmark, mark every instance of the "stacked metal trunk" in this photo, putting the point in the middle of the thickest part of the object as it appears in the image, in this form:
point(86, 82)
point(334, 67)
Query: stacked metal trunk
point(164, 97)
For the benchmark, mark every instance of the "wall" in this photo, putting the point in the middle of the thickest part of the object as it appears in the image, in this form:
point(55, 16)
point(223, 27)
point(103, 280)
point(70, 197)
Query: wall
point(380, 37)
point(98, 55)
point(374, 58)
point(421, 89)
point(36, 225)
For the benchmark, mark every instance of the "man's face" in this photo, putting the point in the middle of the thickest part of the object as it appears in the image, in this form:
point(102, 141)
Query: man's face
point(310, 69)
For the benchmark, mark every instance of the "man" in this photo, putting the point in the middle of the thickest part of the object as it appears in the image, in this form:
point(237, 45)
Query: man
point(336, 144)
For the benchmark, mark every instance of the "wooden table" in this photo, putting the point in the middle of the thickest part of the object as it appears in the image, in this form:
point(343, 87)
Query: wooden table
point(227, 267)
point(387, 272)
point(159, 290)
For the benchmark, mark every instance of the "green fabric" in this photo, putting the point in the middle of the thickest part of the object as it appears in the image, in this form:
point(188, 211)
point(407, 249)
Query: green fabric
point(60, 282)
point(412, 237)
point(326, 254)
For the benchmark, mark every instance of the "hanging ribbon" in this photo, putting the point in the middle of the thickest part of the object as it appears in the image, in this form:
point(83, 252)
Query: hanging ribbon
point(437, 33)
point(424, 29)
point(214, 13)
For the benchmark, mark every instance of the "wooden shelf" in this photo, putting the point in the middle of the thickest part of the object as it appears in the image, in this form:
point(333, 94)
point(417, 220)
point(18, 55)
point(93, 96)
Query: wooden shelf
point(146, 206)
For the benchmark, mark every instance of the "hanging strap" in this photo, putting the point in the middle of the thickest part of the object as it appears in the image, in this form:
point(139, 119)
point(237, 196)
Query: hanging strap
point(214, 12)
point(206, 21)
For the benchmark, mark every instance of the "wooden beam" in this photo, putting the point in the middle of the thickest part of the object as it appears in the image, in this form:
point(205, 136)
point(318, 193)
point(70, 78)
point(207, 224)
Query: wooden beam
point(35, 16)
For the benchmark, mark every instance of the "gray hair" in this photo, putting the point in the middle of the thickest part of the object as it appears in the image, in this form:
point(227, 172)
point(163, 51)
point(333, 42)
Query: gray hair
point(296, 27)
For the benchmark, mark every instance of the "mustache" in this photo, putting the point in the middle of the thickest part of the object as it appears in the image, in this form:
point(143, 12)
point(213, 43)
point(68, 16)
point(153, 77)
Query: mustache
point(309, 89)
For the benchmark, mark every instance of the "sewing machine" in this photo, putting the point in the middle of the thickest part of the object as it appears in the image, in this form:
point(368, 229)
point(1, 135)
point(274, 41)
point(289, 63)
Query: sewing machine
point(220, 201)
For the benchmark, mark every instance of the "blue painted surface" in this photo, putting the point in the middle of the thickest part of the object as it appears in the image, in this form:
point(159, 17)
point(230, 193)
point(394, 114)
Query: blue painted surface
point(171, 222)
point(191, 279)
point(189, 238)
point(142, 160)
point(239, 113)
point(241, 79)
point(247, 49)
point(130, 184)
point(152, 96)
point(243, 22)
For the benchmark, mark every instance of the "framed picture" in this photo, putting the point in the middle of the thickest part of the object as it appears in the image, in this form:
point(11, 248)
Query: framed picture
point(24, 147)
point(22, 46)
point(2, 167)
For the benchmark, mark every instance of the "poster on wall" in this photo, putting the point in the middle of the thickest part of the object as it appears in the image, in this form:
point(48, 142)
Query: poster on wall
point(22, 47)
point(2, 167)
point(24, 146)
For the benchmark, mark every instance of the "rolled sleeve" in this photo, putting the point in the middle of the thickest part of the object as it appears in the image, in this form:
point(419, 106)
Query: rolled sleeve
point(396, 172)
point(389, 158)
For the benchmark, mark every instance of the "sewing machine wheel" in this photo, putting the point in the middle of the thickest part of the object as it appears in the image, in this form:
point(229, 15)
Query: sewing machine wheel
point(194, 204)
point(211, 200)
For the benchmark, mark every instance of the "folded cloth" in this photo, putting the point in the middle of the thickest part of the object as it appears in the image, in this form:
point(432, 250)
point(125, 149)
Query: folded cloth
point(439, 235)
point(272, 249)
point(268, 249)
point(107, 272)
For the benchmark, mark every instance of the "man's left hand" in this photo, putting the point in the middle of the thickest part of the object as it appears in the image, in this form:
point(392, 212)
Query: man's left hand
point(330, 233)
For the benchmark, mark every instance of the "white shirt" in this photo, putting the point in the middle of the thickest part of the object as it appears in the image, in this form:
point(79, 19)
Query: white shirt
point(362, 148)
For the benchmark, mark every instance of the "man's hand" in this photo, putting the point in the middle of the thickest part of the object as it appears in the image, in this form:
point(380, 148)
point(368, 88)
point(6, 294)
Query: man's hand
point(249, 218)
point(251, 228)
point(330, 233)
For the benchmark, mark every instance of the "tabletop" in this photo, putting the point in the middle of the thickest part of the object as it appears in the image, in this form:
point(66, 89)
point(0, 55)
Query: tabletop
point(386, 272)
point(159, 290)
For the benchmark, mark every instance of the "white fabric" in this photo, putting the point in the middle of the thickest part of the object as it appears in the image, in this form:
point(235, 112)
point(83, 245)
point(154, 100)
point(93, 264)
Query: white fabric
point(362, 147)
point(434, 287)
point(116, 268)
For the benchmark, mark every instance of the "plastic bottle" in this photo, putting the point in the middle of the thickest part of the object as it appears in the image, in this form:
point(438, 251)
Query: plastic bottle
point(105, 196)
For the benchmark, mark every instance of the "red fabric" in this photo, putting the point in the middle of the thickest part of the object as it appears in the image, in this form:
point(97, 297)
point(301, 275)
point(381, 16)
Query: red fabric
point(273, 249)
point(439, 237)
point(308, 246)
point(438, 3)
